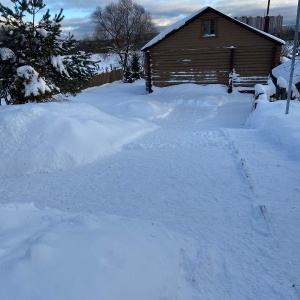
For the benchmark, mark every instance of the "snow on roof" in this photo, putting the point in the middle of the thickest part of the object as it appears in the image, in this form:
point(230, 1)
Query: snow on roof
point(171, 28)
point(177, 25)
point(284, 70)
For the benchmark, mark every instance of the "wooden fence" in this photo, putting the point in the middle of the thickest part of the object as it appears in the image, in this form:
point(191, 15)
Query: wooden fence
point(108, 77)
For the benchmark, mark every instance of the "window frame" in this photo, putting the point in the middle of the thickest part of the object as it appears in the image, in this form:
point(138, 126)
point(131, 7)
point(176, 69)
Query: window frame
point(207, 25)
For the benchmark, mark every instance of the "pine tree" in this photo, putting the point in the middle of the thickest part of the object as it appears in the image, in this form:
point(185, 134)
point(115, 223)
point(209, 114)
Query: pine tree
point(127, 77)
point(39, 45)
point(135, 67)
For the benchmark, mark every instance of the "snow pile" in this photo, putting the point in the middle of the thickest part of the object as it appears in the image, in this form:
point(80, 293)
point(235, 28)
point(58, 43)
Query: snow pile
point(284, 129)
point(50, 136)
point(47, 254)
point(282, 83)
point(115, 101)
point(265, 92)
point(144, 109)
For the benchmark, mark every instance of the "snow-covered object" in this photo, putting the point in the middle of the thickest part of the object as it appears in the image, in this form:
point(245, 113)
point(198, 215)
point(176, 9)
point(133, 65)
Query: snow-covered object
point(271, 87)
point(281, 128)
point(263, 97)
point(57, 63)
point(284, 70)
point(43, 32)
point(33, 83)
point(6, 54)
point(259, 89)
point(268, 90)
point(281, 82)
point(295, 92)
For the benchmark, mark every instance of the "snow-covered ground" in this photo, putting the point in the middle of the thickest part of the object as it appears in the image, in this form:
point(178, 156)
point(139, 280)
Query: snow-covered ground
point(106, 62)
point(184, 193)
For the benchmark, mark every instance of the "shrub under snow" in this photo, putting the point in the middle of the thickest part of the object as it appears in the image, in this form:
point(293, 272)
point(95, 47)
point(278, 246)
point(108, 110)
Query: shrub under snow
point(34, 85)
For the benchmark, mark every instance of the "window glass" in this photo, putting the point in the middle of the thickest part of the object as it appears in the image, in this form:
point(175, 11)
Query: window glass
point(206, 27)
point(212, 27)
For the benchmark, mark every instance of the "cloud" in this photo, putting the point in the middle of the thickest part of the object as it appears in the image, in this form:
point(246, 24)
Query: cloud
point(165, 12)
point(79, 27)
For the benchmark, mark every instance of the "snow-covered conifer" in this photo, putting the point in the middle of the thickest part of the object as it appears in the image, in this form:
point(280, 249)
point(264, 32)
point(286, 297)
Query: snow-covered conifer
point(127, 77)
point(39, 44)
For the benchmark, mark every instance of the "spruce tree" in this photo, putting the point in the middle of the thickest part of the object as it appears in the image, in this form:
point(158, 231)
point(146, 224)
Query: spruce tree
point(40, 46)
point(127, 76)
point(135, 67)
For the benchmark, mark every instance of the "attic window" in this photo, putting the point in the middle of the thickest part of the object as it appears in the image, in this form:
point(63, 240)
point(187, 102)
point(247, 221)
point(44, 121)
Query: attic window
point(209, 28)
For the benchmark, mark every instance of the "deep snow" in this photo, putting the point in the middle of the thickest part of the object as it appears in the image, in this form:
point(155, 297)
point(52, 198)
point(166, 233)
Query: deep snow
point(195, 196)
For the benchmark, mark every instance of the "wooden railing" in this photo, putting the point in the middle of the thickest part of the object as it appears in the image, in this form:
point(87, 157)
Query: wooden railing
point(108, 77)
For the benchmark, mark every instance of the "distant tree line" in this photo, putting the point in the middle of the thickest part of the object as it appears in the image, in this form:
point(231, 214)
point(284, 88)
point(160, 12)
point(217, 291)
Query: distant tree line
point(287, 33)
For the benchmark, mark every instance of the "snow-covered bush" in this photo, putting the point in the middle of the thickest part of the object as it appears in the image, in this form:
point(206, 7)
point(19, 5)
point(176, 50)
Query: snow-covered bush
point(282, 83)
point(271, 88)
point(295, 92)
point(30, 86)
point(265, 92)
point(39, 45)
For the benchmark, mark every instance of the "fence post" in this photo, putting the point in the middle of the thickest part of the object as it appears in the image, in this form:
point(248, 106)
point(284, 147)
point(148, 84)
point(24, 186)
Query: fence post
point(231, 57)
point(148, 66)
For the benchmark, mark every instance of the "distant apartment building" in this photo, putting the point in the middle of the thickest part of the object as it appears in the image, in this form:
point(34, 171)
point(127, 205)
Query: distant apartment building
point(275, 25)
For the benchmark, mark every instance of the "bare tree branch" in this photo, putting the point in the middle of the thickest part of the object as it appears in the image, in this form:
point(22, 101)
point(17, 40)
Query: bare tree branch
point(125, 26)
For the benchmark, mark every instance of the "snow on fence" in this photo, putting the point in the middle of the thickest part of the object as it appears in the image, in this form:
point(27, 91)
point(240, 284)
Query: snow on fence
point(107, 77)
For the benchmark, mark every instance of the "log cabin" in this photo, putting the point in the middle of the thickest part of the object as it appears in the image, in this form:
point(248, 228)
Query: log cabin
point(210, 47)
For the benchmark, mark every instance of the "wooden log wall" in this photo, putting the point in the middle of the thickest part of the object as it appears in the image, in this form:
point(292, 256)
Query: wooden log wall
point(186, 56)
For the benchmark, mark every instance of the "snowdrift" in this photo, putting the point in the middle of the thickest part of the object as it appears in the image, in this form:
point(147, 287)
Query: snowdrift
point(45, 137)
point(284, 129)
point(48, 254)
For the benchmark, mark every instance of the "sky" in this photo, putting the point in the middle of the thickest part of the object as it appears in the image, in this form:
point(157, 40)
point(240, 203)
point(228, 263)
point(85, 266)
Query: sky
point(165, 12)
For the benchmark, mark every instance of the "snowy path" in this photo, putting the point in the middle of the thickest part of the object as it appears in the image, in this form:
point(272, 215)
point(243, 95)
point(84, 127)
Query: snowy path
point(204, 176)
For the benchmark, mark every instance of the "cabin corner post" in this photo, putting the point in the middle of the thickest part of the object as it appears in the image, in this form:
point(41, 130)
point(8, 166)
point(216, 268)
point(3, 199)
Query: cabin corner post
point(273, 59)
point(231, 69)
point(148, 72)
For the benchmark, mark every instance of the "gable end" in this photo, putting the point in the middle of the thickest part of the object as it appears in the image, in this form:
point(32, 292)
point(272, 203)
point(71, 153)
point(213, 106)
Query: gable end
point(182, 23)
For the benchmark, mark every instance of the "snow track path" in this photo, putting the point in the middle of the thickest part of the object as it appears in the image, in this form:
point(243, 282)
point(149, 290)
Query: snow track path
point(200, 175)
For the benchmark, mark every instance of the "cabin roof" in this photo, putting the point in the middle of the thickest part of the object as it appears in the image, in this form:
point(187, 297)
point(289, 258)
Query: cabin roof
point(183, 22)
